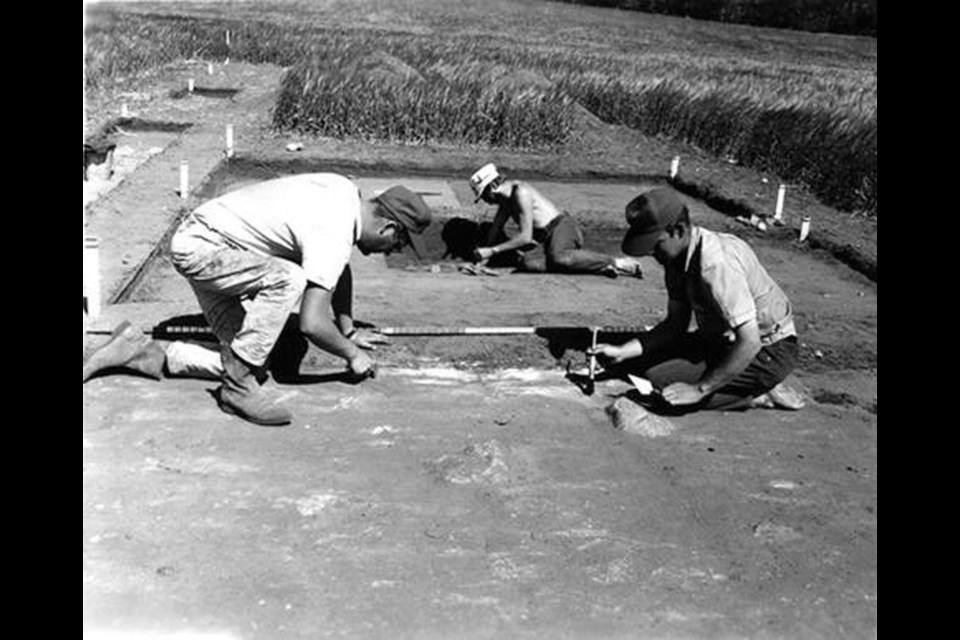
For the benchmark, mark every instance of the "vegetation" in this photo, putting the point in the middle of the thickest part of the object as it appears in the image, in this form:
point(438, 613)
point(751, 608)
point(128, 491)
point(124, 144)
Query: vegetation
point(858, 17)
point(800, 105)
point(380, 98)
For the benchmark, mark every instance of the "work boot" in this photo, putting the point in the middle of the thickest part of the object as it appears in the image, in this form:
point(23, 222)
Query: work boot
point(241, 394)
point(127, 350)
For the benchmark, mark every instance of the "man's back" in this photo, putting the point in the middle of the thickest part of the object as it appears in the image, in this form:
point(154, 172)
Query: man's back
point(726, 286)
point(310, 219)
point(540, 209)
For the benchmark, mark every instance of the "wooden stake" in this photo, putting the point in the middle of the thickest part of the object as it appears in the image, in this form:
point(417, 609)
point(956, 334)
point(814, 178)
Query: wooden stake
point(675, 167)
point(91, 276)
point(229, 148)
point(593, 362)
point(778, 212)
point(184, 180)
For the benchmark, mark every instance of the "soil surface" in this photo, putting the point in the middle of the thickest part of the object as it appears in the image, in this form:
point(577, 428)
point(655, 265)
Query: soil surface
point(470, 490)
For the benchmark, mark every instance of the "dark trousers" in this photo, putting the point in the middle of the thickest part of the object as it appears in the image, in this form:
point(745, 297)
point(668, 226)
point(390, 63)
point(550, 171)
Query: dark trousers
point(696, 353)
point(563, 250)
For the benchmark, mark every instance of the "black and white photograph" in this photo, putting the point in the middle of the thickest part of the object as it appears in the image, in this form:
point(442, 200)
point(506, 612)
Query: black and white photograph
point(462, 319)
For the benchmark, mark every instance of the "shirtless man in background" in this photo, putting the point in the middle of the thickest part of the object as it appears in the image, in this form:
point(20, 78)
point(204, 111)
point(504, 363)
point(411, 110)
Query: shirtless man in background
point(540, 222)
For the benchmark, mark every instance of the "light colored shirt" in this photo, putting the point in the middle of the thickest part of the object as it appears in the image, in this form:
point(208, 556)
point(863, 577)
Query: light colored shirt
point(726, 286)
point(311, 219)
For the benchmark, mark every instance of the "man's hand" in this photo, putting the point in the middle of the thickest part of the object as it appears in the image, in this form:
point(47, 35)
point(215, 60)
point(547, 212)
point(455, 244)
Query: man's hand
point(612, 354)
point(362, 366)
point(482, 254)
point(368, 339)
point(682, 393)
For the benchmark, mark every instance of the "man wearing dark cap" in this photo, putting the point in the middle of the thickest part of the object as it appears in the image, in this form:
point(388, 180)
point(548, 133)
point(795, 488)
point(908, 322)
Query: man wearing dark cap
point(745, 337)
point(253, 254)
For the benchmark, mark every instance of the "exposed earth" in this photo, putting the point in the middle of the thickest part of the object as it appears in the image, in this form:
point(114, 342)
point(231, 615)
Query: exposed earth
point(471, 490)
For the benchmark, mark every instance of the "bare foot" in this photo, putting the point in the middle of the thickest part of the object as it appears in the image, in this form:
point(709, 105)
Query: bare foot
point(629, 267)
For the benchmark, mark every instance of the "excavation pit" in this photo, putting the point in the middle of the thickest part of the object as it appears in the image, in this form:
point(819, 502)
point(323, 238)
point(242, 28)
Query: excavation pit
point(205, 92)
point(460, 224)
point(121, 146)
point(140, 125)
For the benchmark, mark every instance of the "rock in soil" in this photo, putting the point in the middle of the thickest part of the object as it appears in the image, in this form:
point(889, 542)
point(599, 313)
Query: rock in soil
point(630, 417)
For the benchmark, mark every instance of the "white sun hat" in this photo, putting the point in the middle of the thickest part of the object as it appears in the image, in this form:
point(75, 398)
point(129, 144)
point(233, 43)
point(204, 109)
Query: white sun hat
point(482, 178)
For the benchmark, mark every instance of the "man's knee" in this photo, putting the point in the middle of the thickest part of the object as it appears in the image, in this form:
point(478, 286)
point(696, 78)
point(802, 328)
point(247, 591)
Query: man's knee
point(562, 260)
point(287, 280)
point(531, 264)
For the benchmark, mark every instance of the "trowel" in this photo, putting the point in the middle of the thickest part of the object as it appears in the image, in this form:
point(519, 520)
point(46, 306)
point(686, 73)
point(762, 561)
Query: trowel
point(644, 386)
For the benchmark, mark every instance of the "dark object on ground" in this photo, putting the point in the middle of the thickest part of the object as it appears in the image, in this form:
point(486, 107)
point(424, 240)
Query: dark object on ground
point(98, 153)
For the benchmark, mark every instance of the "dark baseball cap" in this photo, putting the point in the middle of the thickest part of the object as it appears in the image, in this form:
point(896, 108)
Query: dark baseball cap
point(408, 209)
point(648, 214)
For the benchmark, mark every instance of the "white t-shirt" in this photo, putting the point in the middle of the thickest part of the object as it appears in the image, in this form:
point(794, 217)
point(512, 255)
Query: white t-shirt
point(311, 219)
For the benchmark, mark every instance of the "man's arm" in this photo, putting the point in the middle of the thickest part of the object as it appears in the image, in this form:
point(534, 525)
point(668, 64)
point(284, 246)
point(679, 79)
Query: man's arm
point(728, 285)
point(521, 202)
point(342, 301)
point(496, 227)
point(667, 332)
point(317, 324)
point(745, 347)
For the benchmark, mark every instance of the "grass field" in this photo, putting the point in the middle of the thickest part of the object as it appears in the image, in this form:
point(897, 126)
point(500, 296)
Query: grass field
point(510, 74)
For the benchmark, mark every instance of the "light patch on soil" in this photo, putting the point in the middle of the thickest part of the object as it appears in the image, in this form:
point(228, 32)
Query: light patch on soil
point(206, 465)
point(787, 485)
point(615, 572)
point(382, 429)
point(311, 505)
point(581, 533)
point(763, 497)
point(505, 568)
point(687, 576)
point(480, 462)
point(348, 402)
point(771, 532)
point(460, 599)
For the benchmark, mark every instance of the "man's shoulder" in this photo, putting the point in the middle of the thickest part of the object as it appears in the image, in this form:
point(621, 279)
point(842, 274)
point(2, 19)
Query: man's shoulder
point(719, 249)
point(526, 196)
point(284, 184)
point(518, 188)
point(323, 179)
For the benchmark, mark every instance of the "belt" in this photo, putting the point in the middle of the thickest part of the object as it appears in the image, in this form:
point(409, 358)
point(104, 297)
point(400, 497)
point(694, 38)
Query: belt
point(541, 234)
